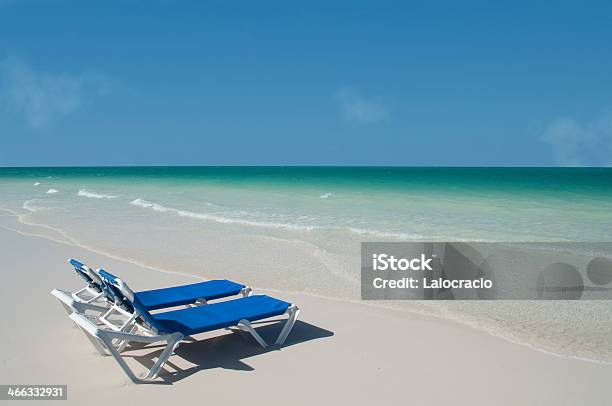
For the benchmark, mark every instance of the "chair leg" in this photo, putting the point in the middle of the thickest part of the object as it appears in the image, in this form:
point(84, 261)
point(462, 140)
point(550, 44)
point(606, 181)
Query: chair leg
point(124, 343)
point(95, 342)
point(173, 342)
point(120, 360)
point(293, 311)
point(106, 337)
point(67, 308)
point(245, 325)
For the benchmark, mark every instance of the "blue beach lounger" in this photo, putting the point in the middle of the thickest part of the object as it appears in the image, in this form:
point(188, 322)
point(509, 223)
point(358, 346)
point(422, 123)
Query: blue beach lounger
point(93, 290)
point(173, 326)
point(95, 297)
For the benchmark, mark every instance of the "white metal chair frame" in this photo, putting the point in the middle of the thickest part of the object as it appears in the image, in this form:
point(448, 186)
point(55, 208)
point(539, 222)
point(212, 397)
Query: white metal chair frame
point(75, 303)
point(103, 339)
point(103, 314)
point(109, 338)
point(92, 293)
point(132, 323)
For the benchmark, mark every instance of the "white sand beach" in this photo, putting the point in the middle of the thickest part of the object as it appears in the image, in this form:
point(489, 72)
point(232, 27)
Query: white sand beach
point(430, 184)
point(338, 353)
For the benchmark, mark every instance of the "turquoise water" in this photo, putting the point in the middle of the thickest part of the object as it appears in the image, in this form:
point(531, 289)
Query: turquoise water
point(300, 228)
point(406, 203)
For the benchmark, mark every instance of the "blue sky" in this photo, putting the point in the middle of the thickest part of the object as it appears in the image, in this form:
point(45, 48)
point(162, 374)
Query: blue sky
point(305, 83)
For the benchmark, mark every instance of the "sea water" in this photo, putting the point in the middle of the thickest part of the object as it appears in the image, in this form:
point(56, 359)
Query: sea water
point(300, 228)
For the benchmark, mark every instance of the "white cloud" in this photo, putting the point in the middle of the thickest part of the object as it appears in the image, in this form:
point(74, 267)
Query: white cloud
point(356, 108)
point(41, 97)
point(577, 143)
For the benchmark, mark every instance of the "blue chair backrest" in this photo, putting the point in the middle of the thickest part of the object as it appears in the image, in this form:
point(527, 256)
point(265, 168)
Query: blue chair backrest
point(123, 296)
point(111, 290)
point(80, 269)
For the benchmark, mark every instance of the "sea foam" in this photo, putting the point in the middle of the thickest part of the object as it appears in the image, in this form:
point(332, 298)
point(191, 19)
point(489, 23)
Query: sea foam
point(29, 205)
point(93, 195)
point(386, 234)
point(217, 218)
point(51, 191)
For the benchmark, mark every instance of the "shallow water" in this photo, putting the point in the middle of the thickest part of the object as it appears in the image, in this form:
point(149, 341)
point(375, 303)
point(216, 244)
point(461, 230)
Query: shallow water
point(300, 229)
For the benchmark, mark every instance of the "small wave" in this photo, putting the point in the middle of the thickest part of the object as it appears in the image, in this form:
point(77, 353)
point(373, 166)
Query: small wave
point(326, 195)
point(51, 191)
point(254, 223)
point(29, 205)
point(386, 234)
point(218, 219)
point(93, 195)
point(36, 184)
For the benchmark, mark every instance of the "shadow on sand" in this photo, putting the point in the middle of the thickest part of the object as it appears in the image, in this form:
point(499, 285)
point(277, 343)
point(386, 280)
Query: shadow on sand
point(227, 351)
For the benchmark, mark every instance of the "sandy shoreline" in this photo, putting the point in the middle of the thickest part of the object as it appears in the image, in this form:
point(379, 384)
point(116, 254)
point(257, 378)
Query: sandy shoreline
point(339, 352)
